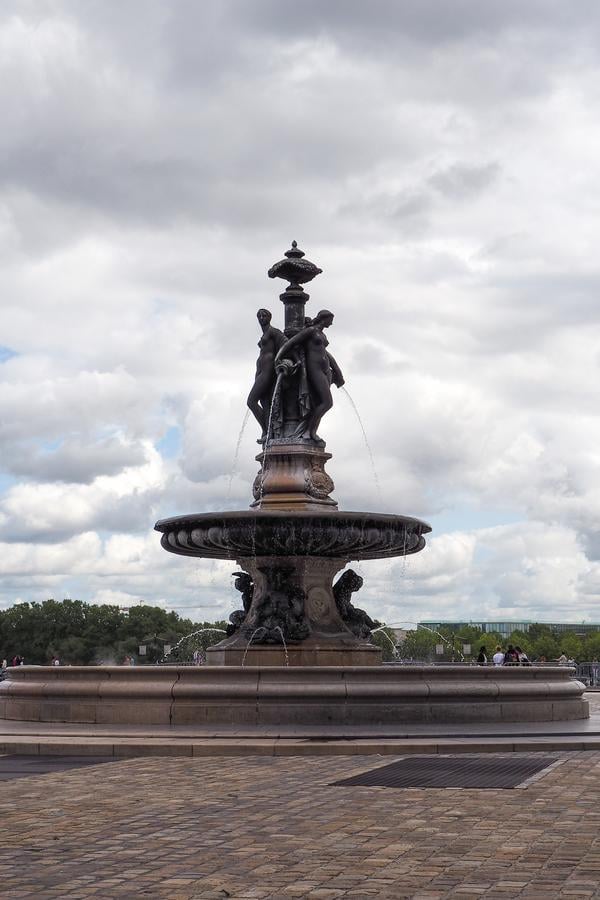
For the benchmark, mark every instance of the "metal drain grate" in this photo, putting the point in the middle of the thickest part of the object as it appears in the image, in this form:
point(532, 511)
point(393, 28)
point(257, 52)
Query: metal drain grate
point(452, 772)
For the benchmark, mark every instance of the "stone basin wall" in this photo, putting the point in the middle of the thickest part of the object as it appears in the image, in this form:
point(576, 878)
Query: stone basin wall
point(364, 695)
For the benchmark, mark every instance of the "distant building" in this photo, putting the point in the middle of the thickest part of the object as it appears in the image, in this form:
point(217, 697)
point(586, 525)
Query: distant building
point(506, 628)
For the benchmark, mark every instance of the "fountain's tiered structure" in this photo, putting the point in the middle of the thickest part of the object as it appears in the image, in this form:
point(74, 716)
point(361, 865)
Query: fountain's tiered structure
point(298, 651)
point(293, 540)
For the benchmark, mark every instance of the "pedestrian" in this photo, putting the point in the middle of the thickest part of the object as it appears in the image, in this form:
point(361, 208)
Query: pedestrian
point(562, 659)
point(522, 656)
point(511, 657)
point(482, 658)
point(498, 657)
point(55, 661)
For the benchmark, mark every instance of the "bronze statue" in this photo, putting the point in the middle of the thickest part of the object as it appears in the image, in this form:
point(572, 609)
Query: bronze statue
point(358, 621)
point(261, 395)
point(307, 350)
point(279, 613)
point(244, 584)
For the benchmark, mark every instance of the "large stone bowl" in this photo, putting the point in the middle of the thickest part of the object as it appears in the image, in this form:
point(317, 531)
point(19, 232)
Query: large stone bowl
point(352, 696)
point(284, 533)
point(306, 548)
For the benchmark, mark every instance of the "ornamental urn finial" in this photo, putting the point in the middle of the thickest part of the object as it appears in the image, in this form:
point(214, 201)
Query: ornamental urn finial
point(294, 268)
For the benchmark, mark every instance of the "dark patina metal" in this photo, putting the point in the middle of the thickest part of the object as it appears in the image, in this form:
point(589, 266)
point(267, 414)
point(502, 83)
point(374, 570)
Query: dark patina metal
point(474, 772)
point(358, 621)
point(294, 268)
point(293, 540)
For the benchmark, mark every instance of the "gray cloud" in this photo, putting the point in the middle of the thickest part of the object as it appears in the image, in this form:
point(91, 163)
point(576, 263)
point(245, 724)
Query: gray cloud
point(438, 161)
point(461, 182)
point(74, 460)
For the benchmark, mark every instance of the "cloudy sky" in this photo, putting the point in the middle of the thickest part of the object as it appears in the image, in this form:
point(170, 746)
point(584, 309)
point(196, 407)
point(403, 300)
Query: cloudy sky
point(440, 161)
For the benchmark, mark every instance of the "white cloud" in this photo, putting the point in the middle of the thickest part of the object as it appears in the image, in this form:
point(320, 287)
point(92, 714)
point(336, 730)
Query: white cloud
point(440, 167)
point(48, 512)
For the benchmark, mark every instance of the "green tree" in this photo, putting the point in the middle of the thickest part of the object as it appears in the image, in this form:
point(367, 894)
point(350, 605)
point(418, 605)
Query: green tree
point(71, 650)
point(385, 638)
point(418, 645)
point(21, 633)
point(591, 647)
point(148, 620)
point(571, 645)
point(490, 640)
point(104, 625)
point(546, 645)
point(469, 634)
point(82, 633)
point(523, 640)
point(452, 643)
point(538, 630)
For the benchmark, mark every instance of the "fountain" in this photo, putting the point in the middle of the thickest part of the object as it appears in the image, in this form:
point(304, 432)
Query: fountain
point(298, 651)
point(293, 540)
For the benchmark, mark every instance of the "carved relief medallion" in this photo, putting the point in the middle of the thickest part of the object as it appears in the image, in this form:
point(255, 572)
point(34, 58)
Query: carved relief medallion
point(318, 482)
point(318, 605)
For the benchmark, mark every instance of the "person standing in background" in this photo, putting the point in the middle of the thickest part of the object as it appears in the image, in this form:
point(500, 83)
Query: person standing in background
point(498, 657)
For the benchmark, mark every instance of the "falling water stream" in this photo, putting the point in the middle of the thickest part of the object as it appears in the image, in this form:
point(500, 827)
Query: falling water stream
point(285, 650)
point(433, 631)
point(237, 453)
point(395, 651)
point(256, 630)
point(190, 635)
point(367, 445)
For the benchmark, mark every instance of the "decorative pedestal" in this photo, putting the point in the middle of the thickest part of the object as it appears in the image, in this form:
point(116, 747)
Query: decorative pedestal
point(294, 619)
point(312, 652)
point(293, 476)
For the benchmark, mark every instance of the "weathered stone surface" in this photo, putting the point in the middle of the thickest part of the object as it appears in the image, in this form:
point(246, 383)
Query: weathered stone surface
point(350, 695)
point(275, 827)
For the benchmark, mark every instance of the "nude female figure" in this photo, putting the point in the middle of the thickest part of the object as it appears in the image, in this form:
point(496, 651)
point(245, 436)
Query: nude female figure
point(259, 398)
point(321, 371)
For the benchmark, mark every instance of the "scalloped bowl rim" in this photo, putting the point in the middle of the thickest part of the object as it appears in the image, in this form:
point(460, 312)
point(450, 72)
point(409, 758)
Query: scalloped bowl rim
point(164, 525)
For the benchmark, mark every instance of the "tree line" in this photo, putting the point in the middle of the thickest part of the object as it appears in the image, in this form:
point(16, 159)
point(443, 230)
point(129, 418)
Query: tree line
point(539, 642)
point(78, 633)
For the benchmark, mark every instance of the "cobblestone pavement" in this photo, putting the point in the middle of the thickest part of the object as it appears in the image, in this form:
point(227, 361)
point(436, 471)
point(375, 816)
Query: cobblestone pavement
point(265, 827)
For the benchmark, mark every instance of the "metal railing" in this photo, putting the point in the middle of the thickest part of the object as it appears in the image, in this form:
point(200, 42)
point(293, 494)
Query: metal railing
point(589, 673)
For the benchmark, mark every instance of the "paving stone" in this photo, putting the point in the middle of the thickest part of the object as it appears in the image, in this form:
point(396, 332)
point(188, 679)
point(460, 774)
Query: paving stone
point(272, 827)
